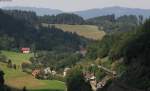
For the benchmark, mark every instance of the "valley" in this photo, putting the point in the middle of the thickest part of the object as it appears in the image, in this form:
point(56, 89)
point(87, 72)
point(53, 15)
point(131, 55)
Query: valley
point(68, 52)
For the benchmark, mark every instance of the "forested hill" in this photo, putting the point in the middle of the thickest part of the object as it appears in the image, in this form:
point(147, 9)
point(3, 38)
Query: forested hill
point(63, 18)
point(30, 16)
point(110, 23)
point(27, 16)
point(16, 33)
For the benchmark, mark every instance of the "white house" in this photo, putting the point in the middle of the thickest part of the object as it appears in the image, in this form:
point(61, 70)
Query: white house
point(65, 71)
point(53, 72)
point(47, 70)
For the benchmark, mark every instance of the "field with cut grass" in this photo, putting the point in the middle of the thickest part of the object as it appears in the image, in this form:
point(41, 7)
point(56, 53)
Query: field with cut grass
point(18, 79)
point(87, 31)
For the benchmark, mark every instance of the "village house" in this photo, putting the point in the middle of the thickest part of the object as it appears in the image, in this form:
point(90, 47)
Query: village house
point(43, 73)
point(36, 72)
point(25, 50)
point(53, 72)
point(47, 70)
point(90, 77)
point(82, 51)
point(65, 71)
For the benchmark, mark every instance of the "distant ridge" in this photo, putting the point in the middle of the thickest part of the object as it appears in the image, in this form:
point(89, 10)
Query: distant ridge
point(118, 11)
point(39, 11)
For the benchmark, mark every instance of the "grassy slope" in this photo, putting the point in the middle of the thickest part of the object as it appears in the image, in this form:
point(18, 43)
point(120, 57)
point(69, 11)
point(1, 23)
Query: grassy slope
point(17, 57)
point(88, 31)
point(19, 79)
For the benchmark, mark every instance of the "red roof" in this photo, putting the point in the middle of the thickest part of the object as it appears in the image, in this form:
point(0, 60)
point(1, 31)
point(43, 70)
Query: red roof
point(25, 49)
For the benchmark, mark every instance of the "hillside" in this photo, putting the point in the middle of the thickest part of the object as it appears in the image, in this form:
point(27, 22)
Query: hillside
point(87, 31)
point(132, 49)
point(17, 57)
point(109, 23)
point(17, 33)
point(18, 79)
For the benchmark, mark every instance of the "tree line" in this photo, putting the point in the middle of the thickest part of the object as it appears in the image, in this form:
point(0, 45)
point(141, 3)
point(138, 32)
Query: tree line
point(64, 18)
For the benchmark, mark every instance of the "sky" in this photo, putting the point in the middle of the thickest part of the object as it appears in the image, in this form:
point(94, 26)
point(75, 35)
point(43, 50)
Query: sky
point(76, 5)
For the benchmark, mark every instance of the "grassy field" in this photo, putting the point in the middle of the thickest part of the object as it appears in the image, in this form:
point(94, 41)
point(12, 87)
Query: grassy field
point(88, 31)
point(18, 79)
point(17, 57)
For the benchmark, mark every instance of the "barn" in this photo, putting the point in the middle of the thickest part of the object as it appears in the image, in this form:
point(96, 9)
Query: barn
point(25, 50)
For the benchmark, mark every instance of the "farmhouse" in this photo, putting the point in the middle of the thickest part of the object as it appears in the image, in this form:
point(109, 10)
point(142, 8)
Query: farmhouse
point(35, 73)
point(53, 72)
point(89, 76)
point(65, 71)
point(83, 51)
point(47, 70)
point(25, 50)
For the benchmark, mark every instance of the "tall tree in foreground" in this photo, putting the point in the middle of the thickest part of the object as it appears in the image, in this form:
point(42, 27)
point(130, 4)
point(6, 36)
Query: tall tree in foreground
point(137, 59)
point(1, 80)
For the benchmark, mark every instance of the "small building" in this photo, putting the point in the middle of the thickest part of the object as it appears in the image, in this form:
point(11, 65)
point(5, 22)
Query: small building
point(53, 72)
point(65, 71)
point(25, 50)
point(83, 51)
point(47, 70)
point(35, 73)
point(89, 76)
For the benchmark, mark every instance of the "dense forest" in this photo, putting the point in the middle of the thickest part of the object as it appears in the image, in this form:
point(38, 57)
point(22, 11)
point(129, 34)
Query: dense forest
point(64, 18)
point(27, 16)
point(110, 23)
